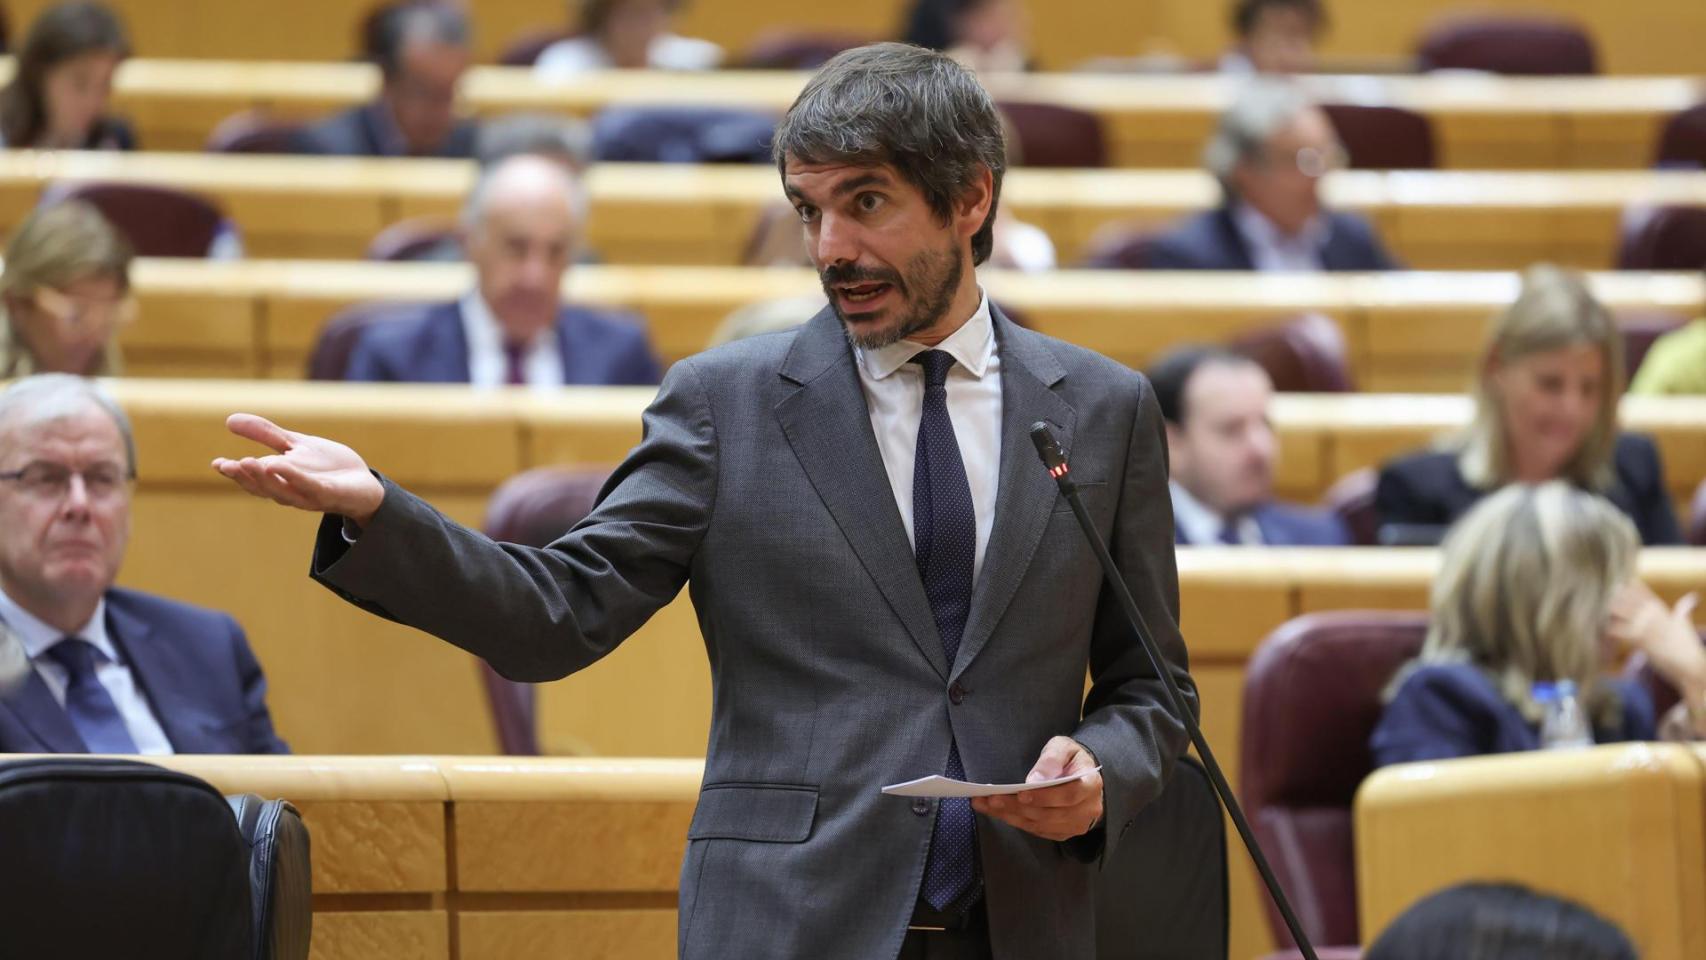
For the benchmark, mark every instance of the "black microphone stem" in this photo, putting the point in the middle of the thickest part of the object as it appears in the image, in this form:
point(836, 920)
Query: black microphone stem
point(1055, 460)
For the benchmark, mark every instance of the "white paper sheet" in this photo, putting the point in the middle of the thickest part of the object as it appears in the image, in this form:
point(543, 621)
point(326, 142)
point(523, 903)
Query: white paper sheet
point(937, 786)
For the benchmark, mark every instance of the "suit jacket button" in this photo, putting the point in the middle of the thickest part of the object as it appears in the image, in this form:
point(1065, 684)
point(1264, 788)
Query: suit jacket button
point(921, 807)
point(956, 694)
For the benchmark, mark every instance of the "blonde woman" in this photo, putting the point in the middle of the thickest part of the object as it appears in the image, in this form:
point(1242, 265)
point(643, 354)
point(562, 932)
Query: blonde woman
point(1545, 409)
point(64, 293)
point(1537, 585)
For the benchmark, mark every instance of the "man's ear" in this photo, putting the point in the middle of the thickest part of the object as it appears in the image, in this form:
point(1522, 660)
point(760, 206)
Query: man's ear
point(971, 207)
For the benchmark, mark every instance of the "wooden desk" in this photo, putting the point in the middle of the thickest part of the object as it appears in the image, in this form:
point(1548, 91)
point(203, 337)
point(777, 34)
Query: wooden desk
point(663, 214)
point(1153, 121)
point(1616, 828)
point(1646, 36)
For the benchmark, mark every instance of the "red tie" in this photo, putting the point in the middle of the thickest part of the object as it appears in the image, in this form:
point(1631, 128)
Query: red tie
point(516, 354)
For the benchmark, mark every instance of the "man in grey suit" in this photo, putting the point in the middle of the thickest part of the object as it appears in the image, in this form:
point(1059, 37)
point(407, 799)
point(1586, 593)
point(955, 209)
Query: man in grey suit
point(887, 580)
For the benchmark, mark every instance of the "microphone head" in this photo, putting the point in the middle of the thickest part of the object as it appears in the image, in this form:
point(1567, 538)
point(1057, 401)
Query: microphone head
point(1048, 448)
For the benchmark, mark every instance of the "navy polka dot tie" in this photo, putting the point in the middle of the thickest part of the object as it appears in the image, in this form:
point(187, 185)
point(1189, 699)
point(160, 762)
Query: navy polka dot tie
point(944, 535)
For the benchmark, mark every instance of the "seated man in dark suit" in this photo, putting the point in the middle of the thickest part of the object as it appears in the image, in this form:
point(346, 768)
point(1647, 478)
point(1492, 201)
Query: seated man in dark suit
point(1269, 153)
point(422, 53)
point(111, 670)
point(520, 229)
point(1222, 451)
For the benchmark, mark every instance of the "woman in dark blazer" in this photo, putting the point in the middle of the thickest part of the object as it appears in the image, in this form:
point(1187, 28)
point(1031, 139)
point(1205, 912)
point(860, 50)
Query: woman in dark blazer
point(1545, 409)
point(1537, 584)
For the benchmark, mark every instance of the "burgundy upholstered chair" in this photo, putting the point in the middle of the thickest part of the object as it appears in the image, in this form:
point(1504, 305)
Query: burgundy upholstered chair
point(1666, 238)
point(159, 221)
point(1303, 355)
point(1682, 143)
point(1118, 246)
point(414, 239)
point(1312, 698)
point(1641, 329)
point(1052, 135)
point(1697, 517)
point(532, 508)
point(1351, 499)
point(1509, 45)
point(788, 49)
point(330, 357)
point(1383, 138)
point(252, 131)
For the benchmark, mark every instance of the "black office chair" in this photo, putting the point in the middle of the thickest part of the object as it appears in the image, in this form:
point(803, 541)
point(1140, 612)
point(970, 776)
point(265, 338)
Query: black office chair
point(280, 868)
point(1163, 893)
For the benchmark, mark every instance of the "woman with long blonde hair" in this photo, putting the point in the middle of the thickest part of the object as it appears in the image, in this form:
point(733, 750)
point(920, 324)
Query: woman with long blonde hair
point(1546, 396)
point(64, 293)
point(1537, 586)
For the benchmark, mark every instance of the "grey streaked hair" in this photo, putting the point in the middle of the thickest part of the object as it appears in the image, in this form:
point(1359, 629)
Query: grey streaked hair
point(412, 21)
point(1262, 108)
point(46, 397)
point(1524, 591)
point(1554, 310)
point(564, 139)
point(474, 207)
point(913, 109)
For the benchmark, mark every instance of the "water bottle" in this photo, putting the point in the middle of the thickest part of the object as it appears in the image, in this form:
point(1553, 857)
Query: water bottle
point(1565, 725)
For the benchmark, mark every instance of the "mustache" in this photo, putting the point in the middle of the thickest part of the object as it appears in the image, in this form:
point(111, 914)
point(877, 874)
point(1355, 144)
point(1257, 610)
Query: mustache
point(853, 273)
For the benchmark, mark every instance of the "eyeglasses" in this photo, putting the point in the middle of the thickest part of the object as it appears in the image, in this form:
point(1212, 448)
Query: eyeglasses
point(51, 482)
point(1313, 162)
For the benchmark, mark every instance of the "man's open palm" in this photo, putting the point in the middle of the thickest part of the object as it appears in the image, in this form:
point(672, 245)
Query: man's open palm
point(306, 472)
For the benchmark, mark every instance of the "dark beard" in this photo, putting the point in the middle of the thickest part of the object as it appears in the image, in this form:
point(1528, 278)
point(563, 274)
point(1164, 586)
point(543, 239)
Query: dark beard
point(934, 274)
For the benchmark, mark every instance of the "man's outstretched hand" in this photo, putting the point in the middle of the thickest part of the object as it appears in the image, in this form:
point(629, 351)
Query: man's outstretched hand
point(306, 472)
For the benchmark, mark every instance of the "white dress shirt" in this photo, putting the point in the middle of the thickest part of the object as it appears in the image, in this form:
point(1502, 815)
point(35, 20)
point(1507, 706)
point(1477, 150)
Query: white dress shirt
point(894, 396)
point(1201, 525)
point(110, 671)
point(488, 365)
point(1273, 251)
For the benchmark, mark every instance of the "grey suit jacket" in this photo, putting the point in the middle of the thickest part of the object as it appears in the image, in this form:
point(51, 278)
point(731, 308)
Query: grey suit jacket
point(759, 484)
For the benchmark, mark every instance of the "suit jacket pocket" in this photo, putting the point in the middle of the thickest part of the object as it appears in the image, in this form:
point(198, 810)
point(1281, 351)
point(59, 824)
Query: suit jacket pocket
point(764, 812)
point(1088, 491)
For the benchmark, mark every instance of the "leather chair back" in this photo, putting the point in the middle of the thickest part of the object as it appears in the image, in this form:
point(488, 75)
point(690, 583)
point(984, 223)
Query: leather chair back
point(1118, 246)
point(1303, 355)
point(1509, 45)
point(1312, 697)
point(329, 359)
point(1697, 517)
point(252, 131)
point(1053, 135)
point(683, 134)
point(1641, 329)
point(417, 240)
point(279, 876)
point(1383, 138)
point(117, 858)
point(1683, 140)
point(1664, 238)
point(789, 49)
point(1351, 499)
point(158, 221)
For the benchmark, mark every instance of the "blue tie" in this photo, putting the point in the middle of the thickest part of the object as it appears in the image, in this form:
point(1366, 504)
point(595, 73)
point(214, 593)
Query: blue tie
point(944, 534)
point(93, 713)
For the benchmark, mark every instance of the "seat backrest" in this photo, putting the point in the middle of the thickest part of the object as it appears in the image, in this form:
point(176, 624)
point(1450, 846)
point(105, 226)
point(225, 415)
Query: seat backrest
point(417, 239)
point(329, 359)
point(1312, 697)
point(1383, 138)
point(1302, 355)
point(1682, 143)
point(1664, 238)
point(533, 508)
point(1641, 329)
point(790, 49)
point(682, 134)
point(158, 221)
point(1163, 893)
point(252, 131)
point(1054, 135)
point(1511, 45)
point(279, 876)
point(1120, 246)
point(1697, 517)
point(1351, 499)
point(524, 50)
point(118, 858)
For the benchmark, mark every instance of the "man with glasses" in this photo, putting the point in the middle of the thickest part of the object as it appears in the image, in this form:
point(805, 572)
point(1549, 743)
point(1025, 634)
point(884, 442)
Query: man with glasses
point(114, 670)
point(1269, 152)
point(422, 51)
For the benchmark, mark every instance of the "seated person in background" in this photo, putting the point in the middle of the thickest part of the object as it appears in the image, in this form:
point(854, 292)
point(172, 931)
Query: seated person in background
point(116, 671)
point(1676, 363)
point(64, 293)
point(1499, 921)
point(1221, 452)
point(520, 227)
point(989, 36)
point(63, 80)
point(1269, 152)
point(1537, 585)
point(625, 35)
point(1275, 36)
point(566, 140)
point(1545, 408)
point(422, 54)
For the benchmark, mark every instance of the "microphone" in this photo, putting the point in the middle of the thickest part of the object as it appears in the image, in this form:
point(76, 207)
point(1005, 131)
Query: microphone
point(1048, 448)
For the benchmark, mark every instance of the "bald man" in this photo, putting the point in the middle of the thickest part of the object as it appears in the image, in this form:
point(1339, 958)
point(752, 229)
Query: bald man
point(520, 226)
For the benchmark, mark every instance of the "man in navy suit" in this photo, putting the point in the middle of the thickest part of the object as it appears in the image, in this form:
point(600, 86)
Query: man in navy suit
point(1269, 153)
point(520, 229)
point(1222, 452)
point(110, 670)
point(422, 51)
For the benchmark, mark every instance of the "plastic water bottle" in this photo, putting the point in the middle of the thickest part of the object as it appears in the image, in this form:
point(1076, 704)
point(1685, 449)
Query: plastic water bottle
point(1565, 725)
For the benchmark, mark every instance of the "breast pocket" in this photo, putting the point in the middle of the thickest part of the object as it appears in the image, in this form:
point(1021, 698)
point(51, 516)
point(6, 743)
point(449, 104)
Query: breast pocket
point(1089, 491)
point(761, 812)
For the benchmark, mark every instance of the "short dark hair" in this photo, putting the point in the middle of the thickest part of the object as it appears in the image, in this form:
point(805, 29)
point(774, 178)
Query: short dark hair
point(430, 19)
point(1171, 374)
point(595, 14)
point(1245, 13)
point(1503, 920)
point(63, 32)
point(913, 109)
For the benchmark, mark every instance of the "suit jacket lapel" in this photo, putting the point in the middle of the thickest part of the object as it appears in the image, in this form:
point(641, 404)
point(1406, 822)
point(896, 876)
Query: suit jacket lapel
point(828, 425)
point(1234, 238)
point(451, 349)
point(152, 668)
point(34, 707)
point(1025, 493)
